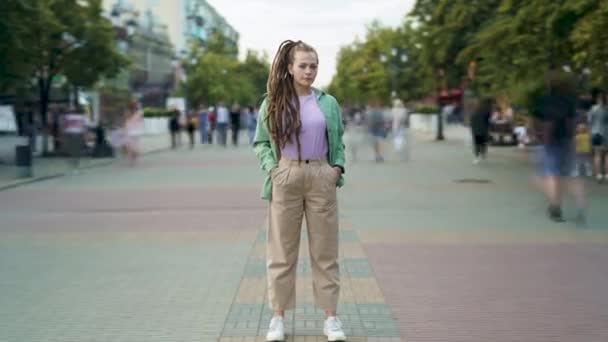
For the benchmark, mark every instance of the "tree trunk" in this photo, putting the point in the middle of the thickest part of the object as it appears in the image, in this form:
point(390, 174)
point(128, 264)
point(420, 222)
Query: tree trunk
point(75, 96)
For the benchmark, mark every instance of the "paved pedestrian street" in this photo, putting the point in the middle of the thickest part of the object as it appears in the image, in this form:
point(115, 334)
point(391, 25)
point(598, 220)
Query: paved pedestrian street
point(433, 249)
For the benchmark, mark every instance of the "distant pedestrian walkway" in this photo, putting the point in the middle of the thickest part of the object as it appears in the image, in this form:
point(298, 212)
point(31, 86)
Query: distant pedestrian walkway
point(50, 167)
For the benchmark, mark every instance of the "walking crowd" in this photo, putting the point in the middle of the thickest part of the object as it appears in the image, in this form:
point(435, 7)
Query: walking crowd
point(212, 122)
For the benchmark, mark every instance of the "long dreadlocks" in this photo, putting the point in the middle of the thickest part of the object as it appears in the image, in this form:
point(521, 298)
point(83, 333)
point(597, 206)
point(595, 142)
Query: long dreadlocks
point(283, 110)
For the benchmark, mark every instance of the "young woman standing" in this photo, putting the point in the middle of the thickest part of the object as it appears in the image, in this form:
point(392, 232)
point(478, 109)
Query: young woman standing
point(299, 145)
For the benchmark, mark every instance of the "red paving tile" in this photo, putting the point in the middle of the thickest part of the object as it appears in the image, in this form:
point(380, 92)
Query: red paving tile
point(486, 293)
point(148, 199)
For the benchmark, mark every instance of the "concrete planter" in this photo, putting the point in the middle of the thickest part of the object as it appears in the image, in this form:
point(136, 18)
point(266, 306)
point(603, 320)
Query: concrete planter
point(156, 125)
point(426, 123)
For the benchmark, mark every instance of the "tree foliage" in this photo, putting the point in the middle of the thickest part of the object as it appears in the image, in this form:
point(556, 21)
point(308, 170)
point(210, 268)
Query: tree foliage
point(363, 75)
point(47, 38)
point(215, 74)
point(512, 44)
point(16, 37)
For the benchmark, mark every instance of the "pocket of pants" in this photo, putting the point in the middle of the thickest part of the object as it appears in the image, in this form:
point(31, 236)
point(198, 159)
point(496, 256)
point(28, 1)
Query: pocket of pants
point(331, 176)
point(280, 175)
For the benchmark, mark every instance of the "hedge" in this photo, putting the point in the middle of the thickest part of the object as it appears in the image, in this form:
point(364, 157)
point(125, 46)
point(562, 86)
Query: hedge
point(426, 109)
point(152, 112)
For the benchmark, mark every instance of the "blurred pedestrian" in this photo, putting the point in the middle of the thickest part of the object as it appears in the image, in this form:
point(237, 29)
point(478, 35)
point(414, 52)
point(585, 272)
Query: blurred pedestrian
point(581, 168)
point(556, 115)
point(223, 118)
point(480, 128)
point(174, 128)
point(598, 118)
point(74, 127)
point(133, 129)
point(377, 129)
point(356, 134)
point(202, 124)
point(55, 128)
point(251, 123)
point(212, 117)
point(191, 127)
point(400, 136)
point(521, 132)
point(299, 144)
point(235, 123)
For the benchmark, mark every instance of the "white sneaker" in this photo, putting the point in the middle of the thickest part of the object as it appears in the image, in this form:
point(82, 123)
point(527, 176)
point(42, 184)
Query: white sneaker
point(599, 177)
point(475, 161)
point(333, 329)
point(276, 330)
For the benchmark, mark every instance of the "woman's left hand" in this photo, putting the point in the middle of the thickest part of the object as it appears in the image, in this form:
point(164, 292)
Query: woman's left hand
point(338, 171)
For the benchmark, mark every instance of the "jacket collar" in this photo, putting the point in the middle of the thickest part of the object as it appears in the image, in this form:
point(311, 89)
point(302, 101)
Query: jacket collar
point(318, 93)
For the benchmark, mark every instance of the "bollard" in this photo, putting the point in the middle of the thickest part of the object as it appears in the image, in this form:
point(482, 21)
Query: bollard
point(23, 156)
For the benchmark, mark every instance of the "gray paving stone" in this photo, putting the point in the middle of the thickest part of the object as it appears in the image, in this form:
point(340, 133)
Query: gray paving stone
point(356, 268)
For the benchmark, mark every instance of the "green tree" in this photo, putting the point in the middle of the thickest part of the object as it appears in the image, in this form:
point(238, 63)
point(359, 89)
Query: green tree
point(214, 74)
point(346, 85)
point(60, 37)
point(208, 79)
point(362, 75)
point(589, 38)
point(445, 29)
point(221, 45)
point(526, 39)
point(255, 70)
point(16, 38)
point(415, 79)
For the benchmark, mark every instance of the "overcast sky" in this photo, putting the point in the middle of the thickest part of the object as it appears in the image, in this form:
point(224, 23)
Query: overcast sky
point(327, 25)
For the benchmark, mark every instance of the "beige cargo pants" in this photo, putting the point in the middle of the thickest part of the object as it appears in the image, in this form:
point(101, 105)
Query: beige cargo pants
point(307, 188)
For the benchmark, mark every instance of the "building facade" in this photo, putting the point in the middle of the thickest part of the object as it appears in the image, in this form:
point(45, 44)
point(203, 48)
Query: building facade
point(144, 39)
point(198, 20)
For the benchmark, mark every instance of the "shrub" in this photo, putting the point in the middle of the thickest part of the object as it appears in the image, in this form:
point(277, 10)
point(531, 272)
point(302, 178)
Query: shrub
point(426, 109)
point(152, 112)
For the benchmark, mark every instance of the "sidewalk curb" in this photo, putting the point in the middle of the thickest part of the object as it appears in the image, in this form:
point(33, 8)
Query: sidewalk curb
point(19, 183)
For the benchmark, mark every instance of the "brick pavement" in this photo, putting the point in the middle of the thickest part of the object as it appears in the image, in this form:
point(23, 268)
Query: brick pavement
point(174, 250)
point(479, 262)
point(151, 253)
point(362, 308)
point(52, 167)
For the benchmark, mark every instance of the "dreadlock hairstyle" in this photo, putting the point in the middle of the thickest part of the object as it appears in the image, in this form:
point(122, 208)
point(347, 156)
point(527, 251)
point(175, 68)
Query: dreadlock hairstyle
point(283, 110)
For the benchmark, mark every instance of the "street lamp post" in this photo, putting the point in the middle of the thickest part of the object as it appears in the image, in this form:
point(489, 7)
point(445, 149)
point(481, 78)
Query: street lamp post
point(439, 136)
point(398, 57)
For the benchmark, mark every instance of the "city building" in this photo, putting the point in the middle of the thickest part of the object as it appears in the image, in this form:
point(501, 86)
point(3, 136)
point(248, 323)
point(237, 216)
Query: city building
point(197, 21)
point(145, 40)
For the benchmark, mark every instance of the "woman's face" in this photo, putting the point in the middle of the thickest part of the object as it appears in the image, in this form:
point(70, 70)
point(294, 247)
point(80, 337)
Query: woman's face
point(304, 68)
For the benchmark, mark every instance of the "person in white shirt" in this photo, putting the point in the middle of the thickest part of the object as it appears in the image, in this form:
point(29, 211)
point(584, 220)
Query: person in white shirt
point(399, 113)
point(598, 120)
point(133, 128)
point(74, 126)
point(223, 120)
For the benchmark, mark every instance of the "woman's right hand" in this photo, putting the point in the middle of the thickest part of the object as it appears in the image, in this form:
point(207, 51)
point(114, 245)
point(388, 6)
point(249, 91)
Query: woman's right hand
point(273, 171)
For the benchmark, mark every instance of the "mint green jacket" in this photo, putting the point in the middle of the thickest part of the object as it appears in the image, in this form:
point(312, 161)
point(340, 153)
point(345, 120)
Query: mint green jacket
point(266, 149)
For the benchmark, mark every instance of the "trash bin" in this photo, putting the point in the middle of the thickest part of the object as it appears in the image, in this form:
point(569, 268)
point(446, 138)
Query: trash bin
point(102, 149)
point(23, 160)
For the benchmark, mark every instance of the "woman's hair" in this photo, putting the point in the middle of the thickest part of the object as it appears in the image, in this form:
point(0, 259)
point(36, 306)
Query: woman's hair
point(283, 109)
point(599, 95)
point(560, 83)
point(132, 106)
point(486, 105)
